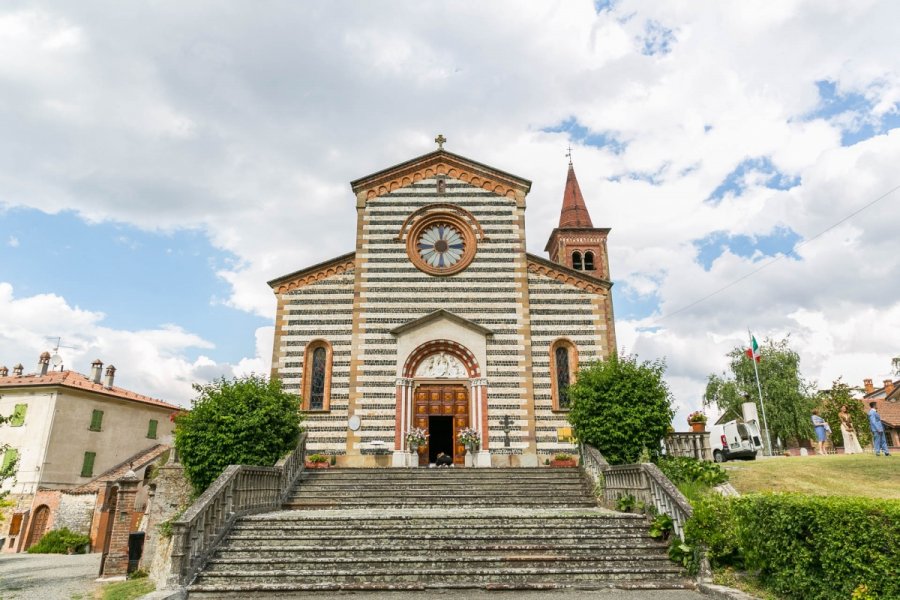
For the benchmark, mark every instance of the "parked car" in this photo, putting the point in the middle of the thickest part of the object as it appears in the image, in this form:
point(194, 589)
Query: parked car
point(735, 440)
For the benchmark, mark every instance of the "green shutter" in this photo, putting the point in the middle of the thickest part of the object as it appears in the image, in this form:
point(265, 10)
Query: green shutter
point(151, 429)
point(10, 458)
point(18, 416)
point(87, 469)
point(96, 420)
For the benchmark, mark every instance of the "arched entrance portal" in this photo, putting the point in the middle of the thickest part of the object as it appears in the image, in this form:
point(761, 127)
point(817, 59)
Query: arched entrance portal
point(441, 391)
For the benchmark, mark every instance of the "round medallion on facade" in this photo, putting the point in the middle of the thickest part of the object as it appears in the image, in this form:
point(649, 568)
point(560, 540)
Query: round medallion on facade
point(441, 244)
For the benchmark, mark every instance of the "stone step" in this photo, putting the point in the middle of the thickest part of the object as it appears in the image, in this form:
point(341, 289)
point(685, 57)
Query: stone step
point(445, 487)
point(440, 564)
point(460, 529)
point(399, 504)
point(350, 541)
point(416, 494)
point(323, 551)
point(504, 517)
point(424, 471)
point(465, 574)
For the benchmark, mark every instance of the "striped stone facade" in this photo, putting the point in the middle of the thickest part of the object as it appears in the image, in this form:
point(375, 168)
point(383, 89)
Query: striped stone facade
point(379, 312)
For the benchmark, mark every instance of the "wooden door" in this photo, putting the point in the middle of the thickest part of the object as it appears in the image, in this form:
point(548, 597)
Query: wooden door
point(39, 524)
point(446, 400)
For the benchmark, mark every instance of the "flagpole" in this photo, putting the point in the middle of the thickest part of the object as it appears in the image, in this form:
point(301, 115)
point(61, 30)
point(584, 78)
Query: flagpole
point(759, 389)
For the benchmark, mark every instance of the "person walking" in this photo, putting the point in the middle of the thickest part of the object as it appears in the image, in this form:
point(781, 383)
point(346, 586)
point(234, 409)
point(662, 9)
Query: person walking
point(821, 427)
point(879, 443)
point(848, 432)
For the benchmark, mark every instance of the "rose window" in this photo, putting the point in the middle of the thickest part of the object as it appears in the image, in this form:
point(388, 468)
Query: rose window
point(441, 246)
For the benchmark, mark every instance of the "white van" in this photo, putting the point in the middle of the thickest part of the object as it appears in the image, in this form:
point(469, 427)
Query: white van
point(735, 440)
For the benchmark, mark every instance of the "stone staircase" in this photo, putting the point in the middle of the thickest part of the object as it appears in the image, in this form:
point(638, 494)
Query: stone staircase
point(396, 529)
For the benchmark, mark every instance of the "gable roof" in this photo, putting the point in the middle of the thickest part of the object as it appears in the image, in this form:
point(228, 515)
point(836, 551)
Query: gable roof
point(562, 273)
point(136, 462)
point(438, 314)
point(77, 381)
point(440, 162)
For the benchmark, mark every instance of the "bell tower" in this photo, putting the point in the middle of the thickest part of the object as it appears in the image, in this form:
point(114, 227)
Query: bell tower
point(576, 243)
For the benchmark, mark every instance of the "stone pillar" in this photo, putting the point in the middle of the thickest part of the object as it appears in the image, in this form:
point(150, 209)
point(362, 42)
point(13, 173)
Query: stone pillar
point(116, 562)
point(404, 393)
point(172, 495)
point(479, 418)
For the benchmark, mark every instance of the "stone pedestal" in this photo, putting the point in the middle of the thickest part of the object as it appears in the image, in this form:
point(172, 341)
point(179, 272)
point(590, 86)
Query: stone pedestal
point(482, 459)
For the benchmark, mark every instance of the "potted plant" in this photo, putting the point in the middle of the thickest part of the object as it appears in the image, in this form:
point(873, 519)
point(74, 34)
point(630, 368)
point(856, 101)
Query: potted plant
point(469, 437)
point(563, 460)
point(415, 439)
point(317, 461)
point(697, 421)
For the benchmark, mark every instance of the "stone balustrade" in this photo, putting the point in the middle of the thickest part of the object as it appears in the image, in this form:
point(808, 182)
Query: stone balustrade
point(690, 444)
point(239, 491)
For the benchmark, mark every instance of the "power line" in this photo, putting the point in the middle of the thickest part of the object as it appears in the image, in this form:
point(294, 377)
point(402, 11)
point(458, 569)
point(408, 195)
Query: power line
point(775, 259)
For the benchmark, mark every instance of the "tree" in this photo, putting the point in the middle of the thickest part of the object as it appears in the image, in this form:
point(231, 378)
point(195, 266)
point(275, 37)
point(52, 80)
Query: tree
point(7, 472)
point(830, 403)
point(243, 421)
point(621, 407)
point(787, 396)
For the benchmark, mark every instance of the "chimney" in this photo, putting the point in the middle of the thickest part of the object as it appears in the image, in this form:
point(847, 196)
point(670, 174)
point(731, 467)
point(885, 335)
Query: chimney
point(888, 386)
point(110, 375)
point(17, 370)
point(869, 387)
point(4, 372)
point(43, 363)
point(96, 370)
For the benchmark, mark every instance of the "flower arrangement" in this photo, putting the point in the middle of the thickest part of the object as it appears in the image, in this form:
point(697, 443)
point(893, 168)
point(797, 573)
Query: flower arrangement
point(696, 417)
point(469, 437)
point(415, 438)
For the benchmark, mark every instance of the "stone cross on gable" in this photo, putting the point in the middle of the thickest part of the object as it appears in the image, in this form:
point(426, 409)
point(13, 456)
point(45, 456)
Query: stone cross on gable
point(440, 140)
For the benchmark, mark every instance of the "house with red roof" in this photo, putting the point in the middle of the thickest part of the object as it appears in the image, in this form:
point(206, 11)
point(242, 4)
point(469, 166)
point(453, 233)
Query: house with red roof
point(65, 430)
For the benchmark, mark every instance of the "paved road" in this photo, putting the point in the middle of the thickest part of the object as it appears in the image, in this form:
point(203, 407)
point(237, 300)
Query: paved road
point(48, 576)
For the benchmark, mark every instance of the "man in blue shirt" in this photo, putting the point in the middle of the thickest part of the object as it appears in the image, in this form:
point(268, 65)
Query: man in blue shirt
point(875, 424)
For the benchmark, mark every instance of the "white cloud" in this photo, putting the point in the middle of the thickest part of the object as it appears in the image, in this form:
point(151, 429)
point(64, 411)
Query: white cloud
point(250, 128)
point(12, 242)
point(153, 362)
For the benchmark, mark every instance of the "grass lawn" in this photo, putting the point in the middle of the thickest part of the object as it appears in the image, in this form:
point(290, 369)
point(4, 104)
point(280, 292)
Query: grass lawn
point(125, 590)
point(854, 475)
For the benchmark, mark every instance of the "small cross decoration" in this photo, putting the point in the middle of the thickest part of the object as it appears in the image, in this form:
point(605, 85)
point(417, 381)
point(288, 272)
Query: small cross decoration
point(440, 140)
point(506, 429)
point(569, 154)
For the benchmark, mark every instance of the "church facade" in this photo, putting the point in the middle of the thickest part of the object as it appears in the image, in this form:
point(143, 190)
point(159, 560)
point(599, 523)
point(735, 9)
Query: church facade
point(440, 320)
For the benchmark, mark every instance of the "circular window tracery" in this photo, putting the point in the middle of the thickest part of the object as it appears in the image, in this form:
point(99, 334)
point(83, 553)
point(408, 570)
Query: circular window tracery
point(441, 244)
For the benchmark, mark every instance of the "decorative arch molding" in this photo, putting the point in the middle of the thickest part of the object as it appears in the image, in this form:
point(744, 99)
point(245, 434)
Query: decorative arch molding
point(443, 207)
point(288, 283)
point(563, 274)
point(458, 351)
point(439, 163)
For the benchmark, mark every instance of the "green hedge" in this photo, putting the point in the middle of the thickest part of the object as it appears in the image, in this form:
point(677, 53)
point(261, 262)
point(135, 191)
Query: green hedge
point(809, 547)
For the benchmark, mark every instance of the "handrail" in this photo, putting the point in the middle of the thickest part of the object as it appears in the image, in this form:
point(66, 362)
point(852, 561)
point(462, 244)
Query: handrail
point(239, 491)
point(644, 481)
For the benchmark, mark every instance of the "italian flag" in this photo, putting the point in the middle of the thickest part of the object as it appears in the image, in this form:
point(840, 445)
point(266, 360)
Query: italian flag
point(753, 350)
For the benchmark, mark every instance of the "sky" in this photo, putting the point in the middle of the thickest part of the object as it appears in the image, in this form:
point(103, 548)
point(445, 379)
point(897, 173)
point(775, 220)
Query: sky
point(159, 162)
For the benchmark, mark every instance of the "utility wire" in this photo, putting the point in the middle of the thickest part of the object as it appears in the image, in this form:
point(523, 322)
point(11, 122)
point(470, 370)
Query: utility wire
point(775, 259)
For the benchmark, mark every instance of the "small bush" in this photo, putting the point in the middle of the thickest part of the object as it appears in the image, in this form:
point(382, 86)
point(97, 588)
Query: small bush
point(681, 469)
point(317, 458)
point(61, 541)
point(562, 456)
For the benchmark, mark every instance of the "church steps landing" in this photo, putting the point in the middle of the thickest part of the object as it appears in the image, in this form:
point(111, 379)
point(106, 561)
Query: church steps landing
point(523, 528)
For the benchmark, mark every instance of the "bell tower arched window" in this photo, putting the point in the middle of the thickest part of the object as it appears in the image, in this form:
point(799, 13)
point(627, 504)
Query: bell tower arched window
point(576, 261)
point(588, 261)
point(563, 367)
point(317, 376)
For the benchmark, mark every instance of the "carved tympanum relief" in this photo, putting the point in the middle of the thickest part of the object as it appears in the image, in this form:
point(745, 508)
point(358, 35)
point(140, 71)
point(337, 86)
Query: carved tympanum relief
point(442, 365)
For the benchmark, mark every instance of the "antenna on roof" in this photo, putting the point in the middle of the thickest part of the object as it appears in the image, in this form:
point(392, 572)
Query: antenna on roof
point(56, 360)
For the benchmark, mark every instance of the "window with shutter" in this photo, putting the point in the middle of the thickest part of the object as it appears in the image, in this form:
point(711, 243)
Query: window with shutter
point(18, 416)
point(10, 458)
point(96, 420)
point(87, 467)
point(151, 429)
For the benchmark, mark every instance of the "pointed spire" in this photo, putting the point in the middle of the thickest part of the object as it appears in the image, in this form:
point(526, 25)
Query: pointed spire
point(574, 212)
